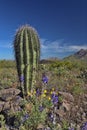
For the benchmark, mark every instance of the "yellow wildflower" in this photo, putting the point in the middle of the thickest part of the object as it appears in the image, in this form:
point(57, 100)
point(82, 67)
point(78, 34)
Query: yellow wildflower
point(45, 91)
point(49, 98)
point(53, 89)
point(43, 95)
point(51, 92)
point(34, 92)
point(29, 94)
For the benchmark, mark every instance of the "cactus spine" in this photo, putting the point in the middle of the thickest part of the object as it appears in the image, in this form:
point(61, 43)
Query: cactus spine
point(27, 54)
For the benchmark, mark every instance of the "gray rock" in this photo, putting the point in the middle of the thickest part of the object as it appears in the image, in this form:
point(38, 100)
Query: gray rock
point(60, 112)
point(8, 94)
point(78, 127)
point(1, 105)
point(67, 96)
point(66, 105)
point(6, 106)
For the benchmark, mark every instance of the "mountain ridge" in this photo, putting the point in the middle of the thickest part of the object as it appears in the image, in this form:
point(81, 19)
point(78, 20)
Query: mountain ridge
point(79, 55)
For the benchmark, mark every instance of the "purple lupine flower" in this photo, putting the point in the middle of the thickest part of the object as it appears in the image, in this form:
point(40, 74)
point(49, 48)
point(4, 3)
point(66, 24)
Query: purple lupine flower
point(84, 126)
point(41, 108)
point(22, 78)
point(51, 116)
point(53, 95)
point(25, 117)
point(38, 92)
point(54, 98)
point(45, 79)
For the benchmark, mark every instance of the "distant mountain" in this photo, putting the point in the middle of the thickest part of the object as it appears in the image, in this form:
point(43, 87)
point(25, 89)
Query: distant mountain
point(49, 60)
point(80, 55)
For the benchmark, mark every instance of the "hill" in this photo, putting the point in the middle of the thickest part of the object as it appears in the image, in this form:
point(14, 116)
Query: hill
point(80, 55)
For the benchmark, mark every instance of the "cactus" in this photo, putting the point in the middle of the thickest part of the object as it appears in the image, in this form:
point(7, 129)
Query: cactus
point(27, 55)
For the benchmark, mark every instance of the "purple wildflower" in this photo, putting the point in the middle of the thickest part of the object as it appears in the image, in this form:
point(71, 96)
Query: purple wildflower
point(41, 108)
point(38, 92)
point(51, 116)
point(25, 117)
point(84, 127)
point(22, 78)
point(53, 95)
point(54, 98)
point(45, 79)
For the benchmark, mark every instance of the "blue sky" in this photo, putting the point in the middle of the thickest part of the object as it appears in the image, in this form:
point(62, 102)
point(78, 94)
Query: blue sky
point(61, 25)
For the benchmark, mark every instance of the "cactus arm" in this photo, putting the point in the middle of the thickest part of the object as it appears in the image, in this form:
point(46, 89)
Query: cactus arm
point(21, 64)
point(28, 64)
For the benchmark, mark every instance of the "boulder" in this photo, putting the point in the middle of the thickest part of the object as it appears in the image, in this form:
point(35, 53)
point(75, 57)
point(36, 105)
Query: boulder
point(66, 105)
point(60, 112)
point(1, 105)
point(8, 94)
point(40, 126)
point(67, 96)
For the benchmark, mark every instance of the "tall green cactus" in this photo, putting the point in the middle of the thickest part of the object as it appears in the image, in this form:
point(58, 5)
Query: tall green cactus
point(27, 54)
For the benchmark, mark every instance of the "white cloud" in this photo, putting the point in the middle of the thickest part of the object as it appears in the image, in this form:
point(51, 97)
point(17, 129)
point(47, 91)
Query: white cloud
point(58, 47)
point(6, 46)
point(48, 45)
point(77, 47)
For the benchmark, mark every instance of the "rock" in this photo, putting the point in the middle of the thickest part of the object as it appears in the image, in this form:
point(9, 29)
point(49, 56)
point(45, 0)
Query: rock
point(48, 128)
point(78, 127)
point(59, 127)
point(6, 106)
point(7, 127)
point(85, 103)
point(10, 103)
point(1, 105)
point(72, 125)
point(40, 126)
point(74, 109)
point(66, 105)
point(67, 96)
point(85, 95)
point(81, 109)
point(60, 112)
point(83, 116)
point(17, 100)
point(13, 105)
point(8, 94)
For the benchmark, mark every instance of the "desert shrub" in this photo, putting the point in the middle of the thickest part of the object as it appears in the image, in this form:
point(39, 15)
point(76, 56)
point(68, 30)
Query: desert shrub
point(83, 75)
point(8, 76)
point(7, 64)
point(2, 122)
point(77, 89)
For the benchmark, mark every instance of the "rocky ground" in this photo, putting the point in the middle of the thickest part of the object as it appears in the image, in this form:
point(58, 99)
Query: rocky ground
point(72, 110)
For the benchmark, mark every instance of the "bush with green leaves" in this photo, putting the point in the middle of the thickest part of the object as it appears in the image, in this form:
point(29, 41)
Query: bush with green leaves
point(8, 77)
point(34, 111)
point(2, 122)
point(83, 75)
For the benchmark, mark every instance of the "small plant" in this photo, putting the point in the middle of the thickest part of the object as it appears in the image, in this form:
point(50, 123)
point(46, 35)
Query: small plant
point(2, 122)
point(83, 75)
point(76, 90)
point(65, 125)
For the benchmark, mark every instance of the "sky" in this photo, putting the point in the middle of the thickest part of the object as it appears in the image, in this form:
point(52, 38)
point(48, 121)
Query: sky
point(61, 25)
